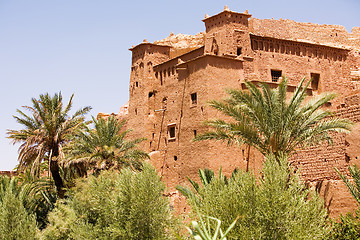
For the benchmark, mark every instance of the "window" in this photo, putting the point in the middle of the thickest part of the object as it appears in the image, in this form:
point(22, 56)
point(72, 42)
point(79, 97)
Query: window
point(275, 75)
point(164, 103)
point(195, 133)
point(137, 84)
point(172, 131)
point(315, 81)
point(238, 51)
point(193, 97)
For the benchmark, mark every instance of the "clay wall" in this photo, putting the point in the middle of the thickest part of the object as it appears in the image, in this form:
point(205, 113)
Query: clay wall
point(179, 157)
point(335, 35)
point(299, 60)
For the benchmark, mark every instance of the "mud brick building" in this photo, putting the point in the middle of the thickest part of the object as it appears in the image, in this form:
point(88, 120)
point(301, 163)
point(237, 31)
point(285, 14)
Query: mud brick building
point(172, 79)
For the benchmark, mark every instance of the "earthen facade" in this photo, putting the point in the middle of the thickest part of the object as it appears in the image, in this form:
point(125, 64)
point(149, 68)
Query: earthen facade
point(172, 79)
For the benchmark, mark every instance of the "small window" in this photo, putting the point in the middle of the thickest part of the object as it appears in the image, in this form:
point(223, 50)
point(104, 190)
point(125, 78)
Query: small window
point(136, 84)
point(275, 75)
point(195, 133)
point(151, 94)
point(238, 51)
point(193, 97)
point(164, 103)
point(315, 77)
point(175, 158)
point(172, 131)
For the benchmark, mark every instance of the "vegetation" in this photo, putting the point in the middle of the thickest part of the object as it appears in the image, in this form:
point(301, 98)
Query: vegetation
point(265, 119)
point(348, 228)
point(46, 130)
point(105, 147)
point(15, 221)
point(202, 232)
point(111, 194)
point(278, 207)
point(354, 188)
point(128, 205)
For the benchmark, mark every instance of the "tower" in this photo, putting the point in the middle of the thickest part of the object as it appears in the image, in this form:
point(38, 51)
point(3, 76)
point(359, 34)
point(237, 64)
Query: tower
point(143, 83)
point(227, 34)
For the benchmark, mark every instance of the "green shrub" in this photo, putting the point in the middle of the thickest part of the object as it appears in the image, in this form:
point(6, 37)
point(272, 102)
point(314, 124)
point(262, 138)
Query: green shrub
point(127, 205)
point(15, 222)
point(279, 206)
point(348, 228)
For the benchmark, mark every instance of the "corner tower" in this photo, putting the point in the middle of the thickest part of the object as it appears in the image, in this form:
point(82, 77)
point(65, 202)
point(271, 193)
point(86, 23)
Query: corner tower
point(227, 34)
point(142, 83)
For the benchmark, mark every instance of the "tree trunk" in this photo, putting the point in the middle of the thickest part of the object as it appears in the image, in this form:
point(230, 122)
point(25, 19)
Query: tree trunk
point(54, 168)
point(248, 159)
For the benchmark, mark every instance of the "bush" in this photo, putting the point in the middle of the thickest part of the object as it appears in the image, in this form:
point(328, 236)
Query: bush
point(15, 222)
point(127, 205)
point(279, 206)
point(348, 228)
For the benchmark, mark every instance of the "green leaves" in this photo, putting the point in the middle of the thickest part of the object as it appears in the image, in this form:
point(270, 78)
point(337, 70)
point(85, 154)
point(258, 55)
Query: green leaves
point(271, 121)
point(275, 206)
point(203, 231)
point(105, 146)
point(46, 130)
point(114, 205)
point(354, 187)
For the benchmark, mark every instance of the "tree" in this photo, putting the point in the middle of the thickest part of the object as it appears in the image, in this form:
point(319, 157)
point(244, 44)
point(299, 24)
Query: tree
point(46, 131)
point(265, 119)
point(17, 220)
point(105, 147)
point(276, 206)
point(113, 205)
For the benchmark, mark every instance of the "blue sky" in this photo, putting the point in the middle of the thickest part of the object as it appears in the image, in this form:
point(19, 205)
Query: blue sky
point(81, 46)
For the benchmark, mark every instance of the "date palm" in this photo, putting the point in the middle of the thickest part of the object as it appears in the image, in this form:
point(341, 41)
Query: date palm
point(105, 147)
point(47, 129)
point(263, 118)
point(353, 186)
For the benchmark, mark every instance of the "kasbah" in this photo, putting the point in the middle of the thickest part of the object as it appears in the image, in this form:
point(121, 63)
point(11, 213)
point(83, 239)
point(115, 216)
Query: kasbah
point(173, 79)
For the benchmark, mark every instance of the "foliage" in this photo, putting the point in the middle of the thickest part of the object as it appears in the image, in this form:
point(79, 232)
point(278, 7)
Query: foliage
point(46, 130)
point(128, 205)
point(279, 206)
point(15, 221)
point(354, 188)
point(37, 195)
point(348, 228)
point(203, 232)
point(105, 147)
point(41, 196)
point(265, 119)
point(206, 176)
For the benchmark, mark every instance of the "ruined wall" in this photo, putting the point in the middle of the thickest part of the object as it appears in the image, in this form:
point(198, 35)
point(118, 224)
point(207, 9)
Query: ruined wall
point(182, 43)
point(332, 35)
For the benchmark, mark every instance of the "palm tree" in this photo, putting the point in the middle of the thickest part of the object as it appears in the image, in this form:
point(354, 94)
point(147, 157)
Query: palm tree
point(46, 131)
point(105, 147)
point(265, 119)
point(354, 187)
